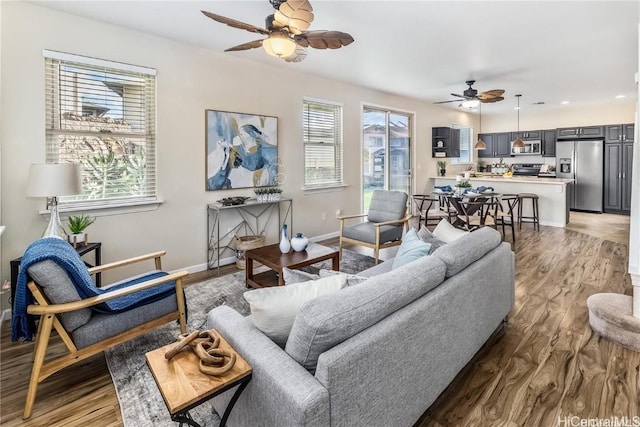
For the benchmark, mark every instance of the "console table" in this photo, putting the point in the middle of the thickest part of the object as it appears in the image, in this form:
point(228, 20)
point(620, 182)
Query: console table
point(249, 218)
point(81, 249)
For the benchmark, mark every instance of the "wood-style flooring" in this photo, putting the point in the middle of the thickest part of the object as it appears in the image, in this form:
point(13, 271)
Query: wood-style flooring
point(547, 364)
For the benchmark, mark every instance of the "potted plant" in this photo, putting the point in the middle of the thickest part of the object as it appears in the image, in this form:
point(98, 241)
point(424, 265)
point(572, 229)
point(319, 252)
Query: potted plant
point(480, 165)
point(442, 164)
point(77, 225)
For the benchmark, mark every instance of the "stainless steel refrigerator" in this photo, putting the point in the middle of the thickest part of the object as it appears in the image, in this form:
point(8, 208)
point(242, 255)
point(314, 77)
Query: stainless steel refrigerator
point(582, 161)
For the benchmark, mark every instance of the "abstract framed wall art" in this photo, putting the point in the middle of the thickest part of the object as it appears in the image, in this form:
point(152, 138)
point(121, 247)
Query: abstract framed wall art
point(241, 150)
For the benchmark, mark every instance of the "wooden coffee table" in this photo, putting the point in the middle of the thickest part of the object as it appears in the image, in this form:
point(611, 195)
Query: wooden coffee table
point(184, 387)
point(274, 259)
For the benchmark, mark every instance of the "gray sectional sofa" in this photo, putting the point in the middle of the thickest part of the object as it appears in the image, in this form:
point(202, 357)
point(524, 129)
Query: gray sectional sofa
point(380, 352)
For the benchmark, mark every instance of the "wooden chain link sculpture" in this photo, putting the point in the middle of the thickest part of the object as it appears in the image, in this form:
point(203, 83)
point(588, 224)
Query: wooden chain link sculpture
point(213, 360)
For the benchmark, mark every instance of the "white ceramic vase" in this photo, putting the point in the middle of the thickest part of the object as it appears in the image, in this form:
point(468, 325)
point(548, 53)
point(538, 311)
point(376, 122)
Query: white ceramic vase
point(285, 246)
point(299, 243)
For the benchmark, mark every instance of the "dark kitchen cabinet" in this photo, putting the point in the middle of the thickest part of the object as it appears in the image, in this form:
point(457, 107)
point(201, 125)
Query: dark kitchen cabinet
point(618, 158)
point(529, 135)
point(619, 133)
point(548, 143)
point(580, 132)
point(498, 145)
point(445, 142)
point(488, 139)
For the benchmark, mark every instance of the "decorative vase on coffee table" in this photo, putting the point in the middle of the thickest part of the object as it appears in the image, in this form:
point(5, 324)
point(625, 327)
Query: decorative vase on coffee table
point(299, 243)
point(285, 246)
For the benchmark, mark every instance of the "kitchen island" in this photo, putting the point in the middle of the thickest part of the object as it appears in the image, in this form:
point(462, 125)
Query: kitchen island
point(553, 204)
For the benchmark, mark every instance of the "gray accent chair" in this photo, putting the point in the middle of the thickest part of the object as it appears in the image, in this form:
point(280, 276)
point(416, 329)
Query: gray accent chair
point(386, 219)
point(85, 331)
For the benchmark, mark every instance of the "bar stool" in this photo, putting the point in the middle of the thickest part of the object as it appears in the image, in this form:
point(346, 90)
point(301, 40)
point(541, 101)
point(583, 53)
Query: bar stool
point(534, 207)
point(507, 217)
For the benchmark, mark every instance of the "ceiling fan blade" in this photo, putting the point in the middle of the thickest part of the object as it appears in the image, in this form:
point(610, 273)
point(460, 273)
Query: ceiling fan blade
point(323, 39)
point(460, 96)
point(491, 100)
point(296, 15)
point(245, 46)
point(446, 102)
point(491, 93)
point(235, 24)
point(297, 56)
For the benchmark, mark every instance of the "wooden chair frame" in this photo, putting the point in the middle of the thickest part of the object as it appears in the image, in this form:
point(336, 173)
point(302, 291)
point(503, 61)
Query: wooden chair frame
point(49, 320)
point(430, 212)
point(377, 245)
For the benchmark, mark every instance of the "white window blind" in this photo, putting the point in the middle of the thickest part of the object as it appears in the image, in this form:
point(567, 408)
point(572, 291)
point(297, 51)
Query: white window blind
point(466, 134)
point(322, 125)
point(101, 115)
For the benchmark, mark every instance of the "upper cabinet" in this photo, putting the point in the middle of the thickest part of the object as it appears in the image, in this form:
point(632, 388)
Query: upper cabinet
point(528, 135)
point(445, 142)
point(548, 143)
point(619, 133)
point(498, 144)
point(580, 132)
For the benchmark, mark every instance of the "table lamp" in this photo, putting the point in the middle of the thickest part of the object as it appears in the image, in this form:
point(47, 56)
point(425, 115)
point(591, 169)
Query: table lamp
point(52, 180)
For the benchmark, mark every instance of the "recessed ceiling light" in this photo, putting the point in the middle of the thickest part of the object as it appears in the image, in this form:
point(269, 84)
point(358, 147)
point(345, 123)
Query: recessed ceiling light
point(516, 108)
point(564, 102)
point(620, 96)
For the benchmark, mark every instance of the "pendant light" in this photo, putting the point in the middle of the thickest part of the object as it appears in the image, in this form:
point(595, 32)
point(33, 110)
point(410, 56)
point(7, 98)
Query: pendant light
point(518, 142)
point(480, 145)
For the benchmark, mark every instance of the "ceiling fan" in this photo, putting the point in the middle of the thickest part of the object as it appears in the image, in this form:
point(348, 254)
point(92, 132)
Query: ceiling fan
point(471, 98)
point(286, 31)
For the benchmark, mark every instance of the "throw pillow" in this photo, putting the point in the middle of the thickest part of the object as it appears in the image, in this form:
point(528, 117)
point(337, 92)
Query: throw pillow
point(411, 249)
point(352, 279)
point(426, 236)
point(447, 232)
point(297, 276)
point(274, 309)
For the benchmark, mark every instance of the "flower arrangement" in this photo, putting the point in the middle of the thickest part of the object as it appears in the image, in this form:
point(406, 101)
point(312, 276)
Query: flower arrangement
point(268, 194)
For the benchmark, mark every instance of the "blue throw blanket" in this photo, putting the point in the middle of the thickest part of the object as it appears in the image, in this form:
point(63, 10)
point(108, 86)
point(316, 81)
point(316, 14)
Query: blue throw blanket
point(66, 257)
point(445, 188)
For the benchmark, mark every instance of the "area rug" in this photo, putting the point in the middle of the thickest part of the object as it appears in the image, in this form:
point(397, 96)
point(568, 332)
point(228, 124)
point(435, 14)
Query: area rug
point(140, 400)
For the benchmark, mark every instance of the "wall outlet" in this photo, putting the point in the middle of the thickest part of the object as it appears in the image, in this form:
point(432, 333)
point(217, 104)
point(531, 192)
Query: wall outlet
point(324, 216)
point(338, 213)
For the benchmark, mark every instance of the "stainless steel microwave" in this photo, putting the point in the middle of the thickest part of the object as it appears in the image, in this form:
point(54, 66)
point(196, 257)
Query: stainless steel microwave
point(531, 148)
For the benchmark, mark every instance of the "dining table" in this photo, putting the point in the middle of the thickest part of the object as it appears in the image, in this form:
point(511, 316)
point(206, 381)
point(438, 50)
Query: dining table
point(470, 207)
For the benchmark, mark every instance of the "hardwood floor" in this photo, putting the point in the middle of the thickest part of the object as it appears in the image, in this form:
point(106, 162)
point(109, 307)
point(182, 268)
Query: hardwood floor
point(547, 364)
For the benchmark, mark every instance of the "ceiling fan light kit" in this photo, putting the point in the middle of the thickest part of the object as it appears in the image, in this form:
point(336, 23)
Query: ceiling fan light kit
point(470, 103)
point(286, 31)
point(279, 44)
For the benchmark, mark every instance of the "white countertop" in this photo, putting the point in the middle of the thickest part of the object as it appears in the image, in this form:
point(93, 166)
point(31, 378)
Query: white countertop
point(519, 179)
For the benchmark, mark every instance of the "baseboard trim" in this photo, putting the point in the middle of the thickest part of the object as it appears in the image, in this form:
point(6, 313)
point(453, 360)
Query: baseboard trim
point(325, 236)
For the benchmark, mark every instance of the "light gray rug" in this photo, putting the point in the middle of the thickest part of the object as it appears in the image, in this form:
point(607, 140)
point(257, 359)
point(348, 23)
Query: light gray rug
point(140, 400)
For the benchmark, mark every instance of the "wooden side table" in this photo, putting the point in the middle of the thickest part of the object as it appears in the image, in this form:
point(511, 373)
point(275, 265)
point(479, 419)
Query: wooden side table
point(95, 247)
point(184, 387)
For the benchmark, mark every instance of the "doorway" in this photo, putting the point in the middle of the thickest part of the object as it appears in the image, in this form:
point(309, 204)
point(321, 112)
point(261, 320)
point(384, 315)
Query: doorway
point(385, 131)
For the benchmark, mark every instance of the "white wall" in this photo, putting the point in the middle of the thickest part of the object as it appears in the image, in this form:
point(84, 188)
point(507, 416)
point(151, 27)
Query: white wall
point(189, 81)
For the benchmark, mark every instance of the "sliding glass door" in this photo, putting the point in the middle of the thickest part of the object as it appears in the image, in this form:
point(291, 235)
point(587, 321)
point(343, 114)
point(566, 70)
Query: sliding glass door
point(385, 131)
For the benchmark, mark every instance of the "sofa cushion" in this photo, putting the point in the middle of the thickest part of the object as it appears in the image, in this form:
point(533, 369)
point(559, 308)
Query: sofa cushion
point(447, 232)
point(427, 236)
point(329, 320)
point(411, 249)
point(292, 276)
point(466, 250)
point(352, 279)
point(274, 309)
point(387, 206)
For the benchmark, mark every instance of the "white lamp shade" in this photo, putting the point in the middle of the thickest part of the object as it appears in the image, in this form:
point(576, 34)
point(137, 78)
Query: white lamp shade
point(52, 179)
point(279, 44)
point(471, 103)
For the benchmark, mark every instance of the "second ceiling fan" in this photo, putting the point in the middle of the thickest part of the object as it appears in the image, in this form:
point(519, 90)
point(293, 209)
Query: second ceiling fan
point(472, 98)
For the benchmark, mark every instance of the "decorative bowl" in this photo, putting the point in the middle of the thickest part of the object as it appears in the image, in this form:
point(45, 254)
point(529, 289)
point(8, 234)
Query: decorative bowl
point(232, 201)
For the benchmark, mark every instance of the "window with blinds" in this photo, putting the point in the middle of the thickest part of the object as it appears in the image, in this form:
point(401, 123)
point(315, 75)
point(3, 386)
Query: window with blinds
point(101, 115)
point(322, 125)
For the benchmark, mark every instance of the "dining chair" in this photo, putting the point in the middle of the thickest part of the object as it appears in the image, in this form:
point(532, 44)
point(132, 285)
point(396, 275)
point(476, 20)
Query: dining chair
point(475, 212)
point(506, 217)
point(429, 210)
